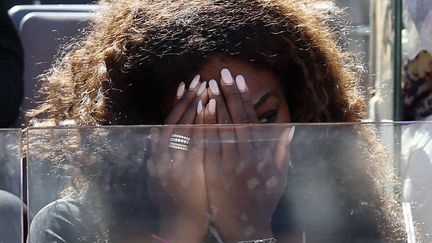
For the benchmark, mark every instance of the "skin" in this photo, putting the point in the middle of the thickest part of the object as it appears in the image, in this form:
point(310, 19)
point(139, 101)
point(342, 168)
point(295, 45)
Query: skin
point(221, 183)
point(259, 81)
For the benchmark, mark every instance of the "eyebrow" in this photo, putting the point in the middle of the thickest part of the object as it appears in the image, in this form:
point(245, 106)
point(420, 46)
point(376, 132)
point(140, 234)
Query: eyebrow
point(264, 99)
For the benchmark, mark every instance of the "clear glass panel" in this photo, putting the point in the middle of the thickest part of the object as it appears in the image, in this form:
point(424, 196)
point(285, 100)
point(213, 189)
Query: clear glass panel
point(10, 186)
point(295, 182)
point(416, 170)
point(382, 58)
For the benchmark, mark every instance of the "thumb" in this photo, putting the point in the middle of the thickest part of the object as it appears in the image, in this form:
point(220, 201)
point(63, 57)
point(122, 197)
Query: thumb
point(282, 149)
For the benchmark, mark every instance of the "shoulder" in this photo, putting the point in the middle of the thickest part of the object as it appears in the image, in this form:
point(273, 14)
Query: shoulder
point(9, 202)
point(10, 217)
point(60, 209)
point(59, 221)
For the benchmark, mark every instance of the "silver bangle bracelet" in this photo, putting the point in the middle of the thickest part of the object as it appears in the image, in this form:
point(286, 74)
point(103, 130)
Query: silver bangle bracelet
point(269, 240)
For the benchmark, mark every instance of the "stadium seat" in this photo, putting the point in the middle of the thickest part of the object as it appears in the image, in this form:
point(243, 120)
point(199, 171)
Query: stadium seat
point(18, 12)
point(42, 33)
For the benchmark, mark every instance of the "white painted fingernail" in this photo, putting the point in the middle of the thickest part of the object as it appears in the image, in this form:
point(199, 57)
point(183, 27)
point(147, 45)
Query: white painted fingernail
point(291, 134)
point(214, 88)
point(212, 106)
point(194, 82)
point(202, 88)
point(181, 90)
point(227, 77)
point(241, 83)
point(199, 107)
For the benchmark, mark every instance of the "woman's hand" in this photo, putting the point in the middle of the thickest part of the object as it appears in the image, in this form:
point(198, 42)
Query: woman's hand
point(245, 178)
point(176, 181)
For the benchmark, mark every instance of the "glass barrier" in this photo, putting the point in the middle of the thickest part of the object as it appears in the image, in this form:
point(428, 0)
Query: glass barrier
point(293, 182)
point(10, 186)
point(359, 32)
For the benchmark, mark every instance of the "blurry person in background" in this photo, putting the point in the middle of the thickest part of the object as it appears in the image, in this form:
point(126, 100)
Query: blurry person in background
point(417, 92)
point(10, 218)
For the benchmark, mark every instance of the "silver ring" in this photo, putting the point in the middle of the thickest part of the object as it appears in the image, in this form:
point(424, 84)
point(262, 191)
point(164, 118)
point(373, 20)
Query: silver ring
point(175, 135)
point(179, 142)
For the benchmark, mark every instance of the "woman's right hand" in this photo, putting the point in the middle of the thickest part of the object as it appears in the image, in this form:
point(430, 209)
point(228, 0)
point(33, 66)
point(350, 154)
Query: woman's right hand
point(246, 175)
point(176, 176)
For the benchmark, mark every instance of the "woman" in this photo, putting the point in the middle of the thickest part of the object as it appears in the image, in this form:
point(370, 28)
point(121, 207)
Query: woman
point(252, 61)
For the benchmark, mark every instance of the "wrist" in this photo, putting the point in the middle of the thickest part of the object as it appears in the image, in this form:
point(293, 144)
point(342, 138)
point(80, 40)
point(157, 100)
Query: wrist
point(182, 232)
point(268, 240)
point(246, 233)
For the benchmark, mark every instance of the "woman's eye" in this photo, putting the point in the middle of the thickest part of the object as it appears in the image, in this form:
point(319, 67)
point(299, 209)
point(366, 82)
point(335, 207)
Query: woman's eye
point(268, 117)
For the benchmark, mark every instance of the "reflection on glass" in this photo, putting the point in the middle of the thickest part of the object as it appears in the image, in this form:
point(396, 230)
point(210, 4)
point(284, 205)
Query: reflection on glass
point(416, 174)
point(10, 187)
point(296, 183)
point(383, 41)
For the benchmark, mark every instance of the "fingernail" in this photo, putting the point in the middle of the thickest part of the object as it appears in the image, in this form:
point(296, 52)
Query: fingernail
point(202, 88)
point(291, 134)
point(181, 90)
point(227, 77)
point(241, 83)
point(212, 106)
point(214, 88)
point(199, 107)
point(194, 82)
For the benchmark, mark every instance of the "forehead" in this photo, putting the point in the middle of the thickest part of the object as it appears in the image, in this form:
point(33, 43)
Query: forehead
point(259, 80)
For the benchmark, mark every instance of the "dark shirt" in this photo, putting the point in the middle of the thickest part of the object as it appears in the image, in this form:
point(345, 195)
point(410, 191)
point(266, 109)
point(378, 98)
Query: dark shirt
point(66, 220)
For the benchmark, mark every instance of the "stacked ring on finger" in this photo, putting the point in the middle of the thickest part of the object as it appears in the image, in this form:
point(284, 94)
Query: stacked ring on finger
point(179, 142)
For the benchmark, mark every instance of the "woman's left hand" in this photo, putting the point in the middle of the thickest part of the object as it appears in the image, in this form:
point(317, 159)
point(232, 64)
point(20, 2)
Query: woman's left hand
point(245, 178)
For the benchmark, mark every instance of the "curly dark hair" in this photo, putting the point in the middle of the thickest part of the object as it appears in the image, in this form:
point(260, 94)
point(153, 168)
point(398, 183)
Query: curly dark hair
point(136, 52)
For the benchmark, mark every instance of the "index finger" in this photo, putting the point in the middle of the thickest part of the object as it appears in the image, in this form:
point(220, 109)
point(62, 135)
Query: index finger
point(184, 100)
